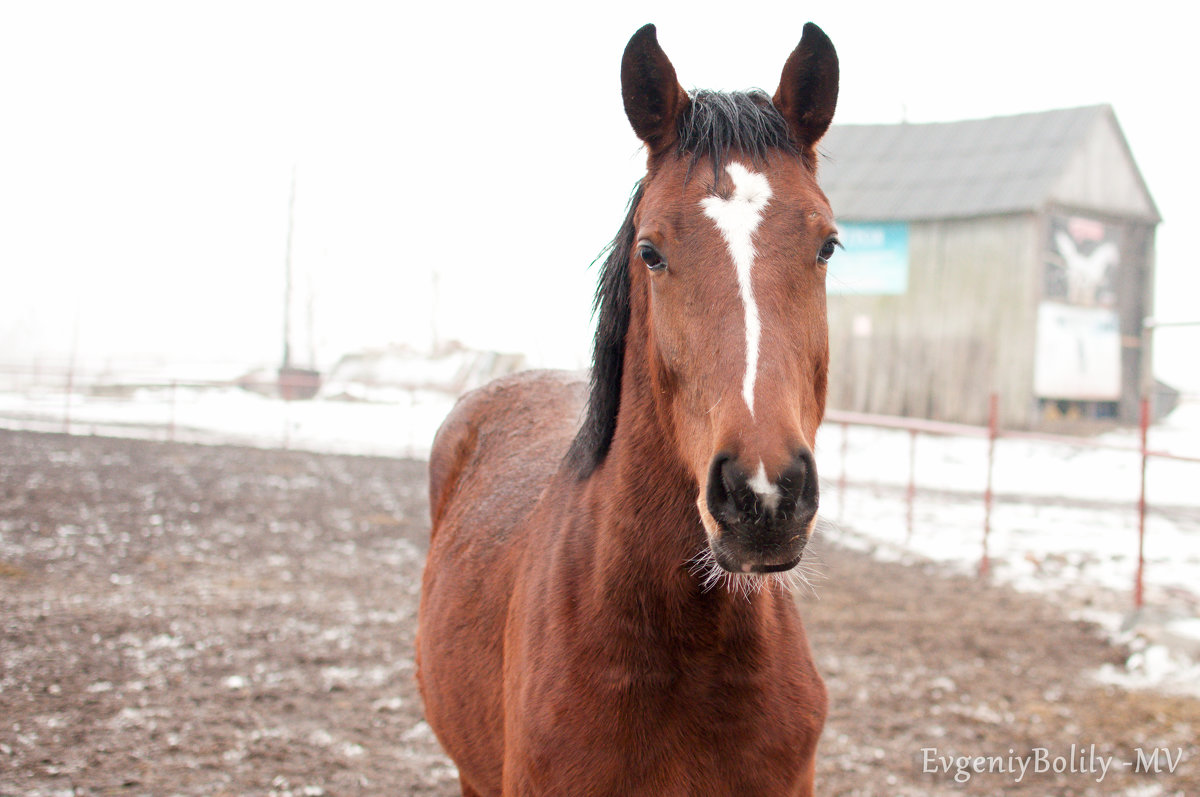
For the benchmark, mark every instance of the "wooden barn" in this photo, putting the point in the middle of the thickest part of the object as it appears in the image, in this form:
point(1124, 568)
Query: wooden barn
point(1012, 254)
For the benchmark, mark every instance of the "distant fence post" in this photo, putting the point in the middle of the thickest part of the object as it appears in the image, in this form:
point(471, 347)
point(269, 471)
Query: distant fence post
point(1144, 424)
point(912, 479)
point(993, 433)
point(842, 477)
point(67, 401)
point(171, 418)
point(287, 424)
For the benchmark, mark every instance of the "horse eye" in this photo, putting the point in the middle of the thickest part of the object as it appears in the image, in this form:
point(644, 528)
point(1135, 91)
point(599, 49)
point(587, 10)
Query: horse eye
point(651, 257)
point(827, 250)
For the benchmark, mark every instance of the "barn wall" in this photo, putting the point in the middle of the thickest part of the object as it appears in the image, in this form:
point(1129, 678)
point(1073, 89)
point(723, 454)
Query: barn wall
point(964, 327)
point(1101, 176)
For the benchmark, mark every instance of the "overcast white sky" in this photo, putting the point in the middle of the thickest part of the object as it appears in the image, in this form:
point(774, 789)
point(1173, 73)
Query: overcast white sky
point(146, 151)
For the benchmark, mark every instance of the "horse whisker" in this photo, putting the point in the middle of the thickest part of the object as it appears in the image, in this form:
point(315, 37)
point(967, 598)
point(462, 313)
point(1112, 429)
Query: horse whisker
point(704, 567)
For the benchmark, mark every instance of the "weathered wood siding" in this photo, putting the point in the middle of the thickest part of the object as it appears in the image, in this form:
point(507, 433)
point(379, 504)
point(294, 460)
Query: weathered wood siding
point(965, 327)
point(1101, 177)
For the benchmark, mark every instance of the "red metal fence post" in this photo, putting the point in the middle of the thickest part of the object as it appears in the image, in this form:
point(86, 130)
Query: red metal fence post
point(1141, 560)
point(993, 433)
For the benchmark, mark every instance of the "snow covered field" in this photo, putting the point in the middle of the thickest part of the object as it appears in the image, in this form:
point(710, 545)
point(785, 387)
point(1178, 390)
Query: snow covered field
point(232, 415)
point(1065, 519)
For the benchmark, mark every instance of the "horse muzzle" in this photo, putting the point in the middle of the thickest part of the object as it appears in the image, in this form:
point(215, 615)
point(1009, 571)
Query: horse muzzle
point(756, 525)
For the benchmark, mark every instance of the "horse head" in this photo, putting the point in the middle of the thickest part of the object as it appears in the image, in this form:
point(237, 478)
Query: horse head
point(730, 238)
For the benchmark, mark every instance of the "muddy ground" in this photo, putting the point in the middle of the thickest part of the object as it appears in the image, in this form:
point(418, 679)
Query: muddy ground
point(196, 620)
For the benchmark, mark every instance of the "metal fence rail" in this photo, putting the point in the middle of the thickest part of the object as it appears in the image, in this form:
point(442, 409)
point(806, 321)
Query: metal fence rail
point(992, 433)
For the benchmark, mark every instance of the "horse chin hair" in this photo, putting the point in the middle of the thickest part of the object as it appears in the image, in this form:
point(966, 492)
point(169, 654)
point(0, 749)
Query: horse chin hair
point(704, 567)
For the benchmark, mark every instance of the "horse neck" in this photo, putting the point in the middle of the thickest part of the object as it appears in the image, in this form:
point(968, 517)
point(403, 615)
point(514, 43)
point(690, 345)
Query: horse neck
point(642, 500)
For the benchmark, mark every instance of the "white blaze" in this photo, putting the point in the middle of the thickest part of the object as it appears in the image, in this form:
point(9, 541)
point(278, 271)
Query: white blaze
point(737, 218)
point(769, 493)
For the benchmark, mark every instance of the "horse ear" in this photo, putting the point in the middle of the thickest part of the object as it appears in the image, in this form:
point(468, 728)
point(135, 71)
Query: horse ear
point(652, 94)
point(808, 89)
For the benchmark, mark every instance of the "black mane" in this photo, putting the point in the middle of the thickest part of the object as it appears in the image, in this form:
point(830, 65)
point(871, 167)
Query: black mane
point(717, 122)
point(713, 125)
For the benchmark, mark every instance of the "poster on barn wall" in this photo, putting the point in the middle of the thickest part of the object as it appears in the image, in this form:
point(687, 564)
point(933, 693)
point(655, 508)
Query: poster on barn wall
point(1078, 354)
point(874, 259)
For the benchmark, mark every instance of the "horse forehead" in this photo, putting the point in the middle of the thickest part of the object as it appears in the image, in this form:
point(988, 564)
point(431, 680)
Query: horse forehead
point(745, 201)
point(677, 199)
point(739, 183)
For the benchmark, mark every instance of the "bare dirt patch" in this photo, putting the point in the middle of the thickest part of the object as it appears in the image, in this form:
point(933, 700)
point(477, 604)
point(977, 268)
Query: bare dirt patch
point(216, 620)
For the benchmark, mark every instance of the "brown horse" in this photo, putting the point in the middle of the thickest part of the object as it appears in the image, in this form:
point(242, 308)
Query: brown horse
point(591, 619)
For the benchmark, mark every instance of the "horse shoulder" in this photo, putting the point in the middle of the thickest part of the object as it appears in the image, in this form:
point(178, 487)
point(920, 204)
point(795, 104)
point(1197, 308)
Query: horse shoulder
point(516, 427)
point(490, 462)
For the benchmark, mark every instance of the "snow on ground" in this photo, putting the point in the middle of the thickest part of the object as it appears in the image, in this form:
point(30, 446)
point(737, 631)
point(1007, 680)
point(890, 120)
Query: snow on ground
point(1064, 522)
point(233, 415)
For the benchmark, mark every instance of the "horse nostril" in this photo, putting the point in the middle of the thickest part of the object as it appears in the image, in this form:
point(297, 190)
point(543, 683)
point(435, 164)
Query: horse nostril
point(798, 482)
point(731, 475)
point(792, 480)
point(728, 492)
point(718, 488)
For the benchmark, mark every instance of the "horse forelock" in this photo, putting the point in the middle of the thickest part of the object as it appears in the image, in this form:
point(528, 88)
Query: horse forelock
point(714, 125)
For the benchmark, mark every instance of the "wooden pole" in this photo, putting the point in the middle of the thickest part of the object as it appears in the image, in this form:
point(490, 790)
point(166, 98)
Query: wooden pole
point(287, 279)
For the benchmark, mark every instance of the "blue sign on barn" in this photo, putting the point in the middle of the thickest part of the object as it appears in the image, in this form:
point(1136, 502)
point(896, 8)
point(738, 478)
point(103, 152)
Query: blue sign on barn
point(875, 260)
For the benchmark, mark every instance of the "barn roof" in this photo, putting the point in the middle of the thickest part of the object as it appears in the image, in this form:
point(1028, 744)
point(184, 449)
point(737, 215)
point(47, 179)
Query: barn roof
point(979, 167)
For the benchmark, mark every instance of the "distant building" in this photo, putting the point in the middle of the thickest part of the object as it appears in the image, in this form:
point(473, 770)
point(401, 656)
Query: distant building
point(1013, 254)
